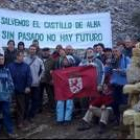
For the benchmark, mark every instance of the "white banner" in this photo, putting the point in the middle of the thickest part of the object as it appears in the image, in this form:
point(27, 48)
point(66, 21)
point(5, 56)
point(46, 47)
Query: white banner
point(80, 31)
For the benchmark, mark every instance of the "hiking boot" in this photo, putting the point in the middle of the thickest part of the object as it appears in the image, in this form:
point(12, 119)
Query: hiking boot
point(20, 126)
point(12, 136)
point(102, 128)
point(84, 126)
point(60, 123)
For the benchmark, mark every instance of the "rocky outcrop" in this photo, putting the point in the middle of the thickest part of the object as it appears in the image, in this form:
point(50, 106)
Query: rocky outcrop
point(121, 11)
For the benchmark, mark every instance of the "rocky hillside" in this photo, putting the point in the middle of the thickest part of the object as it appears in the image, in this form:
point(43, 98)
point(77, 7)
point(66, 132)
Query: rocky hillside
point(121, 11)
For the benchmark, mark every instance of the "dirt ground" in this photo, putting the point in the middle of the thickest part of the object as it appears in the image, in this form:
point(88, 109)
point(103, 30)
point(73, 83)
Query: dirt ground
point(45, 127)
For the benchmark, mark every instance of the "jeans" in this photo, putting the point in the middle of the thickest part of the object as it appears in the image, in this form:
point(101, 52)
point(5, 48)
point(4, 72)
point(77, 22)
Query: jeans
point(7, 121)
point(64, 110)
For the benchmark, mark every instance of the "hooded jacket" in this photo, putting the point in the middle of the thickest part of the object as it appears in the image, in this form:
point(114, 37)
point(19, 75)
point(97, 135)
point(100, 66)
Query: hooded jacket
point(6, 85)
point(21, 75)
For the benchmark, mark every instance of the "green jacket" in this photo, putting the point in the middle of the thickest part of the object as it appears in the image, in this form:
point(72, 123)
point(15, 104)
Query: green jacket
point(49, 66)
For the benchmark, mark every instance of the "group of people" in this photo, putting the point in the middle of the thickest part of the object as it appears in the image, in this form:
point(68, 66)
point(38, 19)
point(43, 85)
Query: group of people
point(25, 75)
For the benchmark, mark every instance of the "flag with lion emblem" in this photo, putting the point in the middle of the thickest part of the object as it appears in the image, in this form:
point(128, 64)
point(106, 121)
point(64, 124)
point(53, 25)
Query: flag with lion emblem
point(75, 82)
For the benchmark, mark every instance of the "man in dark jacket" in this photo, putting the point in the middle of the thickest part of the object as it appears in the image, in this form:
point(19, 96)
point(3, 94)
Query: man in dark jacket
point(46, 81)
point(10, 53)
point(22, 79)
point(64, 109)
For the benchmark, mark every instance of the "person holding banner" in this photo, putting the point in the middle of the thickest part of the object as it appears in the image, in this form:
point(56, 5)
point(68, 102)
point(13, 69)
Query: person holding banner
point(64, 109)
point(90, 59)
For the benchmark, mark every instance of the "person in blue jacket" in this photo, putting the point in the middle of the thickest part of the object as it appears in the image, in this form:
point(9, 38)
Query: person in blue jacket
point(6, 91)
point(22, 79)
point(118, 79)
